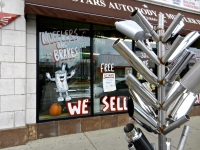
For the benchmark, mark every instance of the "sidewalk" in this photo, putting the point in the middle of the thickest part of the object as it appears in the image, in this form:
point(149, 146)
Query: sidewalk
point(111, 139)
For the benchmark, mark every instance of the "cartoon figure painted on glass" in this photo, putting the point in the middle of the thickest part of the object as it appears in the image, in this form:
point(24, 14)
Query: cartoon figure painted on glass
point(61, 77)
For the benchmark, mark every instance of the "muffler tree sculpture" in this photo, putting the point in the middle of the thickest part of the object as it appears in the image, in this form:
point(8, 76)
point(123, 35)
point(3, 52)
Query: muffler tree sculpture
point(172, 108)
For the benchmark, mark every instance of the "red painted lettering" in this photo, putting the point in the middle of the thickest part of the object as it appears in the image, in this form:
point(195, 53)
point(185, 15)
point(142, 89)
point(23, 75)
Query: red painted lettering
point(115, 104)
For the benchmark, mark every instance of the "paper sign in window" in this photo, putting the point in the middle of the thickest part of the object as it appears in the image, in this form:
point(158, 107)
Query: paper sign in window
point(109, 82)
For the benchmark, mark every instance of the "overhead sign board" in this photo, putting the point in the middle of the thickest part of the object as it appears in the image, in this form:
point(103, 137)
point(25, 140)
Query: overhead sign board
point(107, 12)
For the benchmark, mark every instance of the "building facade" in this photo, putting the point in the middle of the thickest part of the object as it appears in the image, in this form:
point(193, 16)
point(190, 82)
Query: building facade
point(58, 71)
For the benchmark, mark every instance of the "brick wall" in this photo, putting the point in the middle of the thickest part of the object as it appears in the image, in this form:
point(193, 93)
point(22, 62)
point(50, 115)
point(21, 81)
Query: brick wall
point(21, 135)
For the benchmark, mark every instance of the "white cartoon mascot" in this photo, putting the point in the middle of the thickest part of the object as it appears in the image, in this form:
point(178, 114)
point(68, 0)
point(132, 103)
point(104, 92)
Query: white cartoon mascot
point(61, 82)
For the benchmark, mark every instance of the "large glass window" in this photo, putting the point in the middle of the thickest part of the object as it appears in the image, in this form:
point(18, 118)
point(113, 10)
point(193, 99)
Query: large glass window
point(64, 69)
point(67, 87)
point(110, 70)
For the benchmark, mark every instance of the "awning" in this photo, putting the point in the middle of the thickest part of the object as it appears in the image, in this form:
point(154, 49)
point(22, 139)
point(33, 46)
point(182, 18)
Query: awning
point(108, 11)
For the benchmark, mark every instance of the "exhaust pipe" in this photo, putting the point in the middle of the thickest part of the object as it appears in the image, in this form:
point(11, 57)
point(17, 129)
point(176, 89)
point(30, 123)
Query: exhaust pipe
point(188, 40)
point(175, 44)
point(131, 146)
point(174, 27)
point(135, 62)
point(137, 138)
point(147, 119)
point(148, 109)
point(178, 66)
point(145, 94)
point(176, 124)
point(190, 81)
point(132, 30)
point(183, 137)
point(168, 143)
point(173, 96)
point(141, 117)
point(148, 51)
point(183, 106)
point(138, 17)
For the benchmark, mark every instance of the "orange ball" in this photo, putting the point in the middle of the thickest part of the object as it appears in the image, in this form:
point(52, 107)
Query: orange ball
point(55, 109)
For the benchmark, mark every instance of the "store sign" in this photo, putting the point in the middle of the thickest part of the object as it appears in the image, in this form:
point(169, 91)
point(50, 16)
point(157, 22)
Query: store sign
point(114, 104)
point(109, 82)
point(106, 67)
point(63, 44)
point(148, 10)
point(80, 108)
point(6, 18)
point(64, 54)
point(190, 4)
point(60, 40)
point(109, 11)
point(145, 10)
point(108, 76)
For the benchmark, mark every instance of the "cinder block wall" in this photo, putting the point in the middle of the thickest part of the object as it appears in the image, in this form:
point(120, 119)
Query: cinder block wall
point(31, 69)
point(13, 67)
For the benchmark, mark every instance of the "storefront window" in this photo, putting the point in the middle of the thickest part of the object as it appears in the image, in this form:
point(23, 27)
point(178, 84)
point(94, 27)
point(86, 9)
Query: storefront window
point(64, 69)
point(65, 80)
point(110, 70)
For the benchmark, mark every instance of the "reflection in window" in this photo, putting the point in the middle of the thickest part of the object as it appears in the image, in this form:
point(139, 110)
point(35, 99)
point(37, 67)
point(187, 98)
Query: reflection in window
point(108, 60)
point(64, 69)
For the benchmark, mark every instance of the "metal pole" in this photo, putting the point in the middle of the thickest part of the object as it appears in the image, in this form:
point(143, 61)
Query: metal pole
point(161, 88)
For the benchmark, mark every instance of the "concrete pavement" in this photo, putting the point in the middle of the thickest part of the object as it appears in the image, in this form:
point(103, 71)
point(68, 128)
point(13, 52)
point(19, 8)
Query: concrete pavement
point(112, 139)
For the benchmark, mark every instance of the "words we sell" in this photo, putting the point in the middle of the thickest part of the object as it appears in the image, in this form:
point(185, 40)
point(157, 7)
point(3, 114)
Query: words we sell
point(112, 103)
